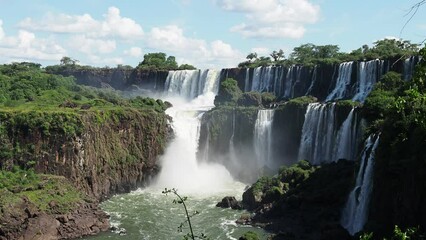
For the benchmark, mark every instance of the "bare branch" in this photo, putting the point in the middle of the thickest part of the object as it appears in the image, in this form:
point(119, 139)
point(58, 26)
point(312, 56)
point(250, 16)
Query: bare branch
point(411, 12)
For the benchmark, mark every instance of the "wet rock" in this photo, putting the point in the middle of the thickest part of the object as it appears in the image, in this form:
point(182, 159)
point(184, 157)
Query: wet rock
point(230, 202)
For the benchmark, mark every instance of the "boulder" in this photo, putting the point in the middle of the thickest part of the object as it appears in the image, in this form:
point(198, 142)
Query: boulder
point(230, 202)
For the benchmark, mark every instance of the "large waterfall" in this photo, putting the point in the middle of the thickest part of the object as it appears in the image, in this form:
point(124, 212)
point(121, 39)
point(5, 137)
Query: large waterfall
point(263, 138)
point(189, 84)
point(356, 210)
point(179, 165)
point(323, 140)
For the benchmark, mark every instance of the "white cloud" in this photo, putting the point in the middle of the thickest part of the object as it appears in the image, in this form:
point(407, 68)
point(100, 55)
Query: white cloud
point(25, 45)
point(261, 51)
point(62, 23)
point(198, 52)
point(272, 18)
point(113, 25)
point(1, 30)
point(134, 52)
point(109, 61)
point(88, 45)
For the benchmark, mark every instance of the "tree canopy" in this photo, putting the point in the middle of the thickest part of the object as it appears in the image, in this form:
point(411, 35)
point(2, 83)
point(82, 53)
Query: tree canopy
point(160, 61)
point(310, 54)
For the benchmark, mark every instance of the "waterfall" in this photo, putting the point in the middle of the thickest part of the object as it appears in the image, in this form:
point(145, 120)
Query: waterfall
point(409, 66)
point(179, 165)
point(293, 76)
point(322, 141)
point(266, 79)
point(190, 84)
point(318, 131)
point(345, 147)
point(313, 81)
point(247, 81)
point(355, 212)
point(368, 74)
point(342, 83)
point(263, 138)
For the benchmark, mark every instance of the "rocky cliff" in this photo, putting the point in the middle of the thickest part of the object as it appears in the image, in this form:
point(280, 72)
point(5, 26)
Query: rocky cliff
point(102, 152)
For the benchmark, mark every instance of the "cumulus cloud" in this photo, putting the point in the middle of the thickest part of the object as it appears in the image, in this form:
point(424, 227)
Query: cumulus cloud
point(112, 25)
point(134, 52)
point(26, 46)
point(198, 52)
point(261, 51)
point(272, 18)
point(88, 45)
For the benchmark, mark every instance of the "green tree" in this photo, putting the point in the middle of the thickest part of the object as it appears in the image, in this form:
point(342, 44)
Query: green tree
point(186, 66)
point(252, 57)
point(158, 61)
point(68, 61)
point(277, 55)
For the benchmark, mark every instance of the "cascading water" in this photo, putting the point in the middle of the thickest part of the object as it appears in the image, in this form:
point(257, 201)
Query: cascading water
point(409, 66)
point(313, 80)
point(346, 141)
point(368, 74)
point(318, 131)
point(247, 81)
point(355, 213)
point(293, 76)
point(322, 141)
point(263, 138)
point(342, 82)
point(189, 84)
point(149, 214)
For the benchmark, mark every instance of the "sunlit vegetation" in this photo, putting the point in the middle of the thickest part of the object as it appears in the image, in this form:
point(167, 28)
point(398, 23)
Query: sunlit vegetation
point(310, 54)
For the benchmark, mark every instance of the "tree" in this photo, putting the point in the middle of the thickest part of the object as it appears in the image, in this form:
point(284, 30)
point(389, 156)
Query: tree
point(252, 57)
point(186, 66)
point(158, 61)
point(68, 61)
point(277, 55)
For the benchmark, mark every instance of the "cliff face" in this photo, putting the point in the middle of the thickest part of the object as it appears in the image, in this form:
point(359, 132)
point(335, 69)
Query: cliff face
point(98, 153)
point(118, 78)
point(102, 153)
point(399, 196)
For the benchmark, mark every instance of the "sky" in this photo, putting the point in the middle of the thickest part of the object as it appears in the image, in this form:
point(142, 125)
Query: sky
point(204, 33)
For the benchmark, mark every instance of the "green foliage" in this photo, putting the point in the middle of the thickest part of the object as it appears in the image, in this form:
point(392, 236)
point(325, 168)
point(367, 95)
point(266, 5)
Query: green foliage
point(249, 236)
point(310, 54)
point(301, 102)
point(160, 61)
point(268, 98)
point(250, 99)
point(412, 233)
point(186, 67)
point(229, 93)
point(41, 190)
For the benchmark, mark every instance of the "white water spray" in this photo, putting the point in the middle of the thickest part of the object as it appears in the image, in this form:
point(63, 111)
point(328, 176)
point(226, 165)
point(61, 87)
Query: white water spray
point(179, 166)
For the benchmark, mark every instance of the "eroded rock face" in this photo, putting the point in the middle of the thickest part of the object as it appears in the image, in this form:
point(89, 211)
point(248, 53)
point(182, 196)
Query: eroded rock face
point(115, 152)
point(26, 222)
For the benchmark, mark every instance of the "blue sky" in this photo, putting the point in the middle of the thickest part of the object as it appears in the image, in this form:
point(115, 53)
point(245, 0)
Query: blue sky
point(205, 33)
